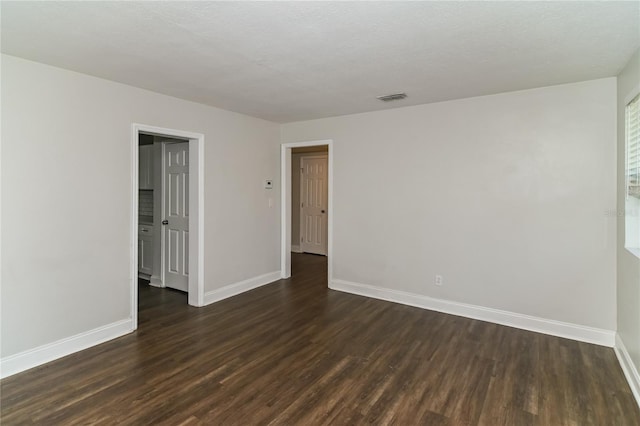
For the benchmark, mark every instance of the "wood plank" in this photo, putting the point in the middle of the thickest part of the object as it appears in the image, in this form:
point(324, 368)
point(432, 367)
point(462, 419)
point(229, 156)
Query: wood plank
point(295, 352)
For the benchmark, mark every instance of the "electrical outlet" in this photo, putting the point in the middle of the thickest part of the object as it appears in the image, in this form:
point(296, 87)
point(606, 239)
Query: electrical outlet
point(438, 280)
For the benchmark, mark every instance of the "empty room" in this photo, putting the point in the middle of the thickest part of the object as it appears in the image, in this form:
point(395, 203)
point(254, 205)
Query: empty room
point(183, 233)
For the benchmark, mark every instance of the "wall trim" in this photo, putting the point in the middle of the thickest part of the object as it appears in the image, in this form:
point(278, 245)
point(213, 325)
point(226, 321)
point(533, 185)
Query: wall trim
point(22, 361)
point(296, 249)
point(628, 367)
point(240, 287)
point(512, 319)
point(156, 281)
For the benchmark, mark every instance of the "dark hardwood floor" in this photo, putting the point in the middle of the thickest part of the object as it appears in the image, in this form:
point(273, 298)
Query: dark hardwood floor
point(294, 352)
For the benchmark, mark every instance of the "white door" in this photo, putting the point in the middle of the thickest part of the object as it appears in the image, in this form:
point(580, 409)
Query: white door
point(313, 204)
point(176, 215)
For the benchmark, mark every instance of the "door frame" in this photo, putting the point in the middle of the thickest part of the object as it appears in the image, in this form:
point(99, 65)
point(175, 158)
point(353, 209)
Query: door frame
point(285, 205)
point(324, 156)
point(196, 213)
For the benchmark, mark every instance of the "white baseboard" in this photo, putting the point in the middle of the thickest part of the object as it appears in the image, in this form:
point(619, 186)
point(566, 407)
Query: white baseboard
point(541, 325)
point(41, 355)
point(296, 249)
point(156, 281)
point(628, 368)
point(240, 287)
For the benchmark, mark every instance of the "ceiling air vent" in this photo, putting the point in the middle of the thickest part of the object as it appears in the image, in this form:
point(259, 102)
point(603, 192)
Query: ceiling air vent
point(394, 97)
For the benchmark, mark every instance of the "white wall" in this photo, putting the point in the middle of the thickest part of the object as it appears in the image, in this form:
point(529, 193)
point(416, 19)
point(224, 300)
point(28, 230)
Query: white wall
point(66, 137)
point(503, 195)
point(628, 290)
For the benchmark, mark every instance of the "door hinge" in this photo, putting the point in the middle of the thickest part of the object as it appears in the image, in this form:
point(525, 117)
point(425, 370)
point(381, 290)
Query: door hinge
point(301, 204)
point(302, 239)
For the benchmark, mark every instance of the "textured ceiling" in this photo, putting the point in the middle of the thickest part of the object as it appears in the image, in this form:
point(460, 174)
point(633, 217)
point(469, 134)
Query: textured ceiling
point(290, 61)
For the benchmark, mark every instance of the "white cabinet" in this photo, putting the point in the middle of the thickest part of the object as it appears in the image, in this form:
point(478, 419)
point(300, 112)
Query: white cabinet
point(146, 166)
point(145, 249)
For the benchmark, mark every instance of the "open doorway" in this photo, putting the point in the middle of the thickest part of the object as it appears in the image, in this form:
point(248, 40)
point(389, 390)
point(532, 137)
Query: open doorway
point(307, 207)
point(167, 212)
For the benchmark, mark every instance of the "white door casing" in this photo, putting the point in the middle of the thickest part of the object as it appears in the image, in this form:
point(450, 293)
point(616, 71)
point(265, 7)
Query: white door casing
point(196, 212)
point(176, 216)
point(313, 204)
point(285, 204)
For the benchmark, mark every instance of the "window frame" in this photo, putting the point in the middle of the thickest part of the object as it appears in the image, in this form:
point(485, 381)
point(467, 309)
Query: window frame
point(632, 246)
point(627, 146)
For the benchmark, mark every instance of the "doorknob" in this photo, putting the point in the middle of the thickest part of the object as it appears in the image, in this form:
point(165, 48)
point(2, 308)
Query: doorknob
point(322, 211)
point(165, 222)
